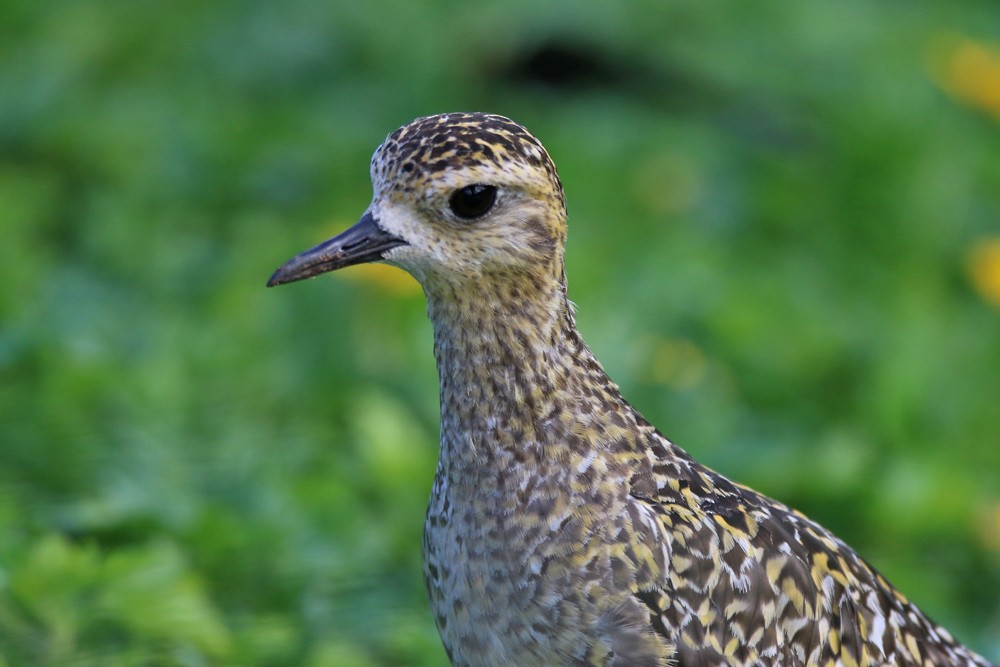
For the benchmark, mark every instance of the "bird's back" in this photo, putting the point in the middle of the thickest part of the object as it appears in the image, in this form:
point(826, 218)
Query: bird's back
point(752, 582)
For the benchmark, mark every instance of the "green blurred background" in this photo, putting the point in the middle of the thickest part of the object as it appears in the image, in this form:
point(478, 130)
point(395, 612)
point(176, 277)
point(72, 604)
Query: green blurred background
point(784, 245)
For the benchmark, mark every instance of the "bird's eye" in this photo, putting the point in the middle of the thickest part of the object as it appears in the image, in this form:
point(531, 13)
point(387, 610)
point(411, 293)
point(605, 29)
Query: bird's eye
point(473, 201)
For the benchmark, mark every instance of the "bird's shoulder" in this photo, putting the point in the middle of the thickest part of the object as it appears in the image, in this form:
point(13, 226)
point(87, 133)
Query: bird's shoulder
point(749, 581)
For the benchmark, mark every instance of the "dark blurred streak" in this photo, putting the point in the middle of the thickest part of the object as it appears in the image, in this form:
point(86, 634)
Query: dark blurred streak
point(563, 65)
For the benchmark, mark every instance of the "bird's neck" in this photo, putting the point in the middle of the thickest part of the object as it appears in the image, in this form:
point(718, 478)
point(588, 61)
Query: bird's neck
point(517, 381)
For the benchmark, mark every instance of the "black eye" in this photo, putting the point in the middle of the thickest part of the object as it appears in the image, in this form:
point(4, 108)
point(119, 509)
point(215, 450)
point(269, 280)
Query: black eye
point(473, 201)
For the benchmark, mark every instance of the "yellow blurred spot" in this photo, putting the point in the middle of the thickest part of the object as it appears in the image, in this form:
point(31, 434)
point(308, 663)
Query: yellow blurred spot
point(676, 363)
point(970, 72)
point(384, 277)
point(989, 525)
point(984, 268)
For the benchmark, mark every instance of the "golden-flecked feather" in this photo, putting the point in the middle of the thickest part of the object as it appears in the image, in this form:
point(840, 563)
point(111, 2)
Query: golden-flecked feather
point(563, 529)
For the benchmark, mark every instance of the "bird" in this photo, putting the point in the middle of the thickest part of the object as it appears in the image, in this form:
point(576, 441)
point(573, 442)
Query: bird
point(563, 529)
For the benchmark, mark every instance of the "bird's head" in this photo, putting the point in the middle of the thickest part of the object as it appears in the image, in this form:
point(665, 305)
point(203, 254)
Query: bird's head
point(459, 198)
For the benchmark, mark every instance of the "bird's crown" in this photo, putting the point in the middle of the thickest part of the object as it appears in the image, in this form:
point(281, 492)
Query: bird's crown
point(434, 146)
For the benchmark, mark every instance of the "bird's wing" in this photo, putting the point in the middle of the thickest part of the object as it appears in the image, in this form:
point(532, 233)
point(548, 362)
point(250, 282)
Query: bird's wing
point(750, 582)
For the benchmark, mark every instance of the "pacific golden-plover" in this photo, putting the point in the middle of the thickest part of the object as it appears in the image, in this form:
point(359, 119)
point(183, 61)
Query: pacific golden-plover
point(563, 529)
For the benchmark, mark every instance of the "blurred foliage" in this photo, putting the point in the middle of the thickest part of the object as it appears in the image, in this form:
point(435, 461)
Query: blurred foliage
point(785, 222)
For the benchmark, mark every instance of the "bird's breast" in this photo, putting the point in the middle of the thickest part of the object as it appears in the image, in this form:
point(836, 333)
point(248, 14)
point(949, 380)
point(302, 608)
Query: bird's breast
point(519, 569)
point(485, 569)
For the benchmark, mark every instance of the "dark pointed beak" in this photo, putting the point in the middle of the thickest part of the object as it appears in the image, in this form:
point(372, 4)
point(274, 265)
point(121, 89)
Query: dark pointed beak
point(364, 242)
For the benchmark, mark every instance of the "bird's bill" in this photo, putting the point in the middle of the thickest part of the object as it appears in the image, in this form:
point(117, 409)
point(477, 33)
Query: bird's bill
point(364, 242)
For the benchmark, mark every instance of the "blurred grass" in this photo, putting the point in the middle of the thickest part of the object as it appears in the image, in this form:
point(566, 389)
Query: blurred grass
point(784, 222)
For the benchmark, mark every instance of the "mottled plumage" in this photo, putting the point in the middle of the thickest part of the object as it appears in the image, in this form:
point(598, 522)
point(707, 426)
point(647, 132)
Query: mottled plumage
point(563, 529)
